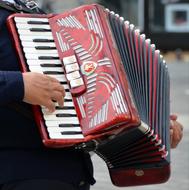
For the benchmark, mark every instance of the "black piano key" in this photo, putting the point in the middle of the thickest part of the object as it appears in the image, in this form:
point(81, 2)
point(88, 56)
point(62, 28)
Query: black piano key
point(38, 22)
point(44, 47)
point(39, 30)
point(65, 82)
point(68, 100)
point(67, 90)
point(42, 40)
point(69, 125)
point(50, 65)
point(65, 108)
point(71, 133)
point(47, 58)
point(53, 72)
point(66, 115)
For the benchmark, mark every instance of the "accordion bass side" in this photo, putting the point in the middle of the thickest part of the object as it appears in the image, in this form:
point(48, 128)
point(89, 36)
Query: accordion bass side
point(117, 89)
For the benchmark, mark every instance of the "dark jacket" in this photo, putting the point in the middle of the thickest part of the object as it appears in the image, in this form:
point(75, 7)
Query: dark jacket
point(22, 154)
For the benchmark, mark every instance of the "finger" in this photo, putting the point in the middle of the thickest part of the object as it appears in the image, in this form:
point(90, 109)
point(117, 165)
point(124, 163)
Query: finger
point(52, 79)
point(58, 97)
point(177, 136)
point(58, 87)
point(171, 123)
point(50, 105)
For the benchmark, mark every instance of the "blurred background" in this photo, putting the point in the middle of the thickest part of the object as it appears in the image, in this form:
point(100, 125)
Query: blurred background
point(166, 23)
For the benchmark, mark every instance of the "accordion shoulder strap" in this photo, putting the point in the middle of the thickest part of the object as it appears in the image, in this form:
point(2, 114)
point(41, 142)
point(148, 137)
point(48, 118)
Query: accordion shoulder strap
point(19, 6)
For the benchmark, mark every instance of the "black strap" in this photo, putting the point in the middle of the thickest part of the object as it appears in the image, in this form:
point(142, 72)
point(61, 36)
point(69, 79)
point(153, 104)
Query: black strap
point(8, 6)
point(19, 6)
point(29, 6)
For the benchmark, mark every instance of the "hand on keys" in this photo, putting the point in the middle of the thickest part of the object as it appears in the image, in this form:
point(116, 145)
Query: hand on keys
point(42, 90)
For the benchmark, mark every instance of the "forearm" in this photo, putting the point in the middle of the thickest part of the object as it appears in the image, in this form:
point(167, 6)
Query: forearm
point(11, 86)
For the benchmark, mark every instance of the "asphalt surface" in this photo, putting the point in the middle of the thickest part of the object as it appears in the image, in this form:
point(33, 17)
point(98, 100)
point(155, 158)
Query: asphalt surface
point(179, 180)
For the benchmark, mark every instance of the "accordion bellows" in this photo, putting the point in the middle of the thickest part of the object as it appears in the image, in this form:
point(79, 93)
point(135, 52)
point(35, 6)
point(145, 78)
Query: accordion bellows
point(117, 89)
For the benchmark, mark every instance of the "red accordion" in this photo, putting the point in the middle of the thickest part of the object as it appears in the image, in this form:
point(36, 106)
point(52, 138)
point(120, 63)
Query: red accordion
point(117, 89)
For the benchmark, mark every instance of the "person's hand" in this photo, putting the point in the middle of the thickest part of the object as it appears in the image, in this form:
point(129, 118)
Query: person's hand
point(42, 90)
point(176, 131)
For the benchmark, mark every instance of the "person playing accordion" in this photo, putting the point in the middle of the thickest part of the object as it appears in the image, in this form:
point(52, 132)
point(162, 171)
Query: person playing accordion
point(24, 161)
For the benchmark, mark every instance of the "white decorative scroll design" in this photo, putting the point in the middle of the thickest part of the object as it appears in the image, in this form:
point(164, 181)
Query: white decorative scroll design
point(71, 22)
point(96, 44)
point(115, 96)
point(64, 46)
point(93, 22)
point(81, 101)
point(94, 32)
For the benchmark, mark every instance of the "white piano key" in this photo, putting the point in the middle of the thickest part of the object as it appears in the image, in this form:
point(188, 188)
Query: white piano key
point(66, 86)
point(76, 83)
point(25, 20)
point(31, 38)
point(25, 26)
point(55, 118)
point(36, 44)
point(71, 110)
point(34, 33)
point(45, 69)
point(60, 136)
point(49, 65)
point(64, 121)
point(67, 104)
point(72, 67)
point(40, 51)
point(68, 96)
point(45, 112)
point(73, 75)
point(63, 129)
point(69, 60)
point(38, 62)
point(42, 54)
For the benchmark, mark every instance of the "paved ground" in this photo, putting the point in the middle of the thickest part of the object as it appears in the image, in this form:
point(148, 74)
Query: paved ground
point(179, 72)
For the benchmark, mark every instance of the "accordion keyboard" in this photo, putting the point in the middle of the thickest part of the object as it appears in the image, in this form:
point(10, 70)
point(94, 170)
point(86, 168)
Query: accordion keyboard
point(42, 56)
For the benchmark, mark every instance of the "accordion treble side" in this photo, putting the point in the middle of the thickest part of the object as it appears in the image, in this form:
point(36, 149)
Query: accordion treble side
point(117, 89)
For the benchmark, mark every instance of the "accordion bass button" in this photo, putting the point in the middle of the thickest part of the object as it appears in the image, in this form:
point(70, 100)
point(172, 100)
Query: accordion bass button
point(69, 60)
point(73, 76)
point(72, 67)
point(77, 87)
point(76, 83)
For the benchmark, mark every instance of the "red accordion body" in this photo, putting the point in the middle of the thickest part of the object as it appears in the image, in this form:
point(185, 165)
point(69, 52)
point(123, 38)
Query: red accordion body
point(109, 77)
point(104, 76)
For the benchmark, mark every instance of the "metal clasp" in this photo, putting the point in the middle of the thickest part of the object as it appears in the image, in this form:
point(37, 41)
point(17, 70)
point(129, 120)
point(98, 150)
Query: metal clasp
point(88, 146)
point(31, 5)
